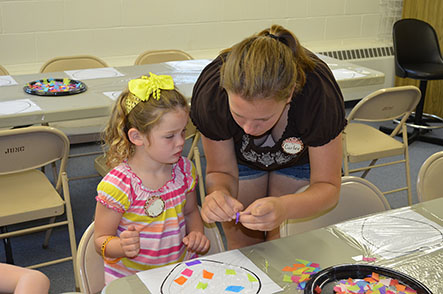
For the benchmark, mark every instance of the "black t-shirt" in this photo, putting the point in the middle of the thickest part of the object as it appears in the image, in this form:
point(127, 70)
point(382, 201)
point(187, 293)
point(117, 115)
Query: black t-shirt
point(315, 117)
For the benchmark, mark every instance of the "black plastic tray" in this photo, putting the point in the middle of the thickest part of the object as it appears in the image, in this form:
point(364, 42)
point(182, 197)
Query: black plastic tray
point(73, 87)
point(326, 279)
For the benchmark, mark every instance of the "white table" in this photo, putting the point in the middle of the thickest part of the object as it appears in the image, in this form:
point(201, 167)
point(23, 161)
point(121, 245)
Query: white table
point(326, 247)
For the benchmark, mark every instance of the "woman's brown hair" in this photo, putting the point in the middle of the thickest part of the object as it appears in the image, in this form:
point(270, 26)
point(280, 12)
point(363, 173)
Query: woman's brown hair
point(270, 64)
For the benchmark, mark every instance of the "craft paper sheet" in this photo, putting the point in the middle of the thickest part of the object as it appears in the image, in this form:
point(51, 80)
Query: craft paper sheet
point(113, 94)
point(18, 106)
point(345, 74)
point(93, 73)
point(7, 81)
point(226, 272)
point(394, 234)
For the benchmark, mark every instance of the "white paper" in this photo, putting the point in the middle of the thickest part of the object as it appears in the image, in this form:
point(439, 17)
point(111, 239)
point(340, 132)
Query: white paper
point(189, 65)
point(345, 74)
point(113, 94)
point(7, 81)
point(18, 106)
point(394, 234)
point(161, 280)
point(94, 73)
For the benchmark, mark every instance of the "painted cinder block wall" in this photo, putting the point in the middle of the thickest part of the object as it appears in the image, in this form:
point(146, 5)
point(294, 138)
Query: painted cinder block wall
point(33, 31)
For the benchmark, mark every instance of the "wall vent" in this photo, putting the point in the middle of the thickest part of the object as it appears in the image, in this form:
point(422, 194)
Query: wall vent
point(362, 53)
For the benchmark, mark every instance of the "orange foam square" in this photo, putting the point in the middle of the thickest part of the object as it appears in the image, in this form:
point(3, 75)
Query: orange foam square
point(207, 275)
point(180, 280)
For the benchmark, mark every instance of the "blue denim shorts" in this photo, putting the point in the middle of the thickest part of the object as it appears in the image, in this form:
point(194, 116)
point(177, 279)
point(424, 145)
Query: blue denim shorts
point(298, 172)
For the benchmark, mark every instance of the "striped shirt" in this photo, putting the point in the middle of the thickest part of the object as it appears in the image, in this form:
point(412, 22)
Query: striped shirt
point(160, 237)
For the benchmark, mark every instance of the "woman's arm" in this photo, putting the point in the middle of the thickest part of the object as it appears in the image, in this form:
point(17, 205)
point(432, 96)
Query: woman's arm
point(325, 161)
point(221, 181)
point(324, 187)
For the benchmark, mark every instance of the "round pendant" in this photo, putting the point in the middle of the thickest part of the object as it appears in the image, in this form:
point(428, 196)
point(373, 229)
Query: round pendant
point(154, 206)
point(292, 145)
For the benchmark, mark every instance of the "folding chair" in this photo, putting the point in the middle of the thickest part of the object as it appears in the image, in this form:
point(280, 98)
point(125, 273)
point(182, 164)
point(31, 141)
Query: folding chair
point(81, 130)
point(362, 142)
point(358, 197)
point(90, 266)
point(158, 56)
point(26, 193)
point(429, 180)
point(74, 62)
point(3, 71)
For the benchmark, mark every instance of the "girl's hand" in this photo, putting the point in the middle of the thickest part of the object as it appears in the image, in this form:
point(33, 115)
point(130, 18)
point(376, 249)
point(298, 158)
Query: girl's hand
point(264, 214)
point(196, 242)
point(220, 207)
point(130, 242)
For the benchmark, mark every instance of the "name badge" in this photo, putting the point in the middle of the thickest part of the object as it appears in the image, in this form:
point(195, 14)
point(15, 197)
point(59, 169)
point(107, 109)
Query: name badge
point(154, 206)
point(292, 145)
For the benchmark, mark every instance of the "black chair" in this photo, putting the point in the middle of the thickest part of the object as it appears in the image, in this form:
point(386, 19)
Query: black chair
point(417, 56)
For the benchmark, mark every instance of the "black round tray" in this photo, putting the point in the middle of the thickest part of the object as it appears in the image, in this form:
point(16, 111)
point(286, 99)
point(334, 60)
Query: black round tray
point(55, 87)
point(326, 279)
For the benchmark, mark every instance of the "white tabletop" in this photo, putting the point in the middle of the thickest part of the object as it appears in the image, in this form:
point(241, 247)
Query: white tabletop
point(332, 246)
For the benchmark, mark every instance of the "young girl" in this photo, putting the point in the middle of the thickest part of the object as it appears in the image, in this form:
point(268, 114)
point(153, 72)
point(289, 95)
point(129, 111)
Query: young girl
point(147, 214)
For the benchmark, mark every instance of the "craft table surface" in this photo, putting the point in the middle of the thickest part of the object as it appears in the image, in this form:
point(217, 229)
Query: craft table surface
point(93, 103)
point(319, 246)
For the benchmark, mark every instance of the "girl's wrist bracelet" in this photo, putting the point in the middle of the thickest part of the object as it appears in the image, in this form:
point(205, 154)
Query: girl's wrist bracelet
point(103, 249)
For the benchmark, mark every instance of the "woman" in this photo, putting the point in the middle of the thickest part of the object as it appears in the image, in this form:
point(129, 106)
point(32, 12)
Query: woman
point(271, 114)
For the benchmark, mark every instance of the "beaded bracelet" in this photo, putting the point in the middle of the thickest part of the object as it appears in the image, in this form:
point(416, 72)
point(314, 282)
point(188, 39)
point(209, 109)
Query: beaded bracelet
point(104, 248)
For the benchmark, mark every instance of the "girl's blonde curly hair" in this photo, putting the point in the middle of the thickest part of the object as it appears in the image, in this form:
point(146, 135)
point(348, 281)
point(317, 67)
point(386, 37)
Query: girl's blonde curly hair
point(143, 117)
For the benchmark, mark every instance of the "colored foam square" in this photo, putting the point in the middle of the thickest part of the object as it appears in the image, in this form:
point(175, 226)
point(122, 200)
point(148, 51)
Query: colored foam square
point(207, 275)
point(202, 285)
point(230, 272)
point(235, 289)
point(181, 280)
point(287, 279)
point(301, 286)
point(288, 269)
point(193, 262)
point(305, 262)
point(187, 272)
point(295, 279)
point(299, 271)
point(251, 278)
point(304, 277)
point(375, 276)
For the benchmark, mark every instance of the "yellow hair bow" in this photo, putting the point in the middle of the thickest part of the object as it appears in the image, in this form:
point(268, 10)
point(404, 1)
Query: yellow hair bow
point(141, 89)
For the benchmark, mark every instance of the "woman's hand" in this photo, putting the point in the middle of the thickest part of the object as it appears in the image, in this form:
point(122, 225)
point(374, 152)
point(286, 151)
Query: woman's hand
point(196, 242)
point(264, 214)
point(220, 207)
point(130, 242)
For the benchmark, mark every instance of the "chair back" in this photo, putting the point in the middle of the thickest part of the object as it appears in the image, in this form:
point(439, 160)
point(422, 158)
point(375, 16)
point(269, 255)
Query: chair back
point(74, 62)
point(90, 266)
point(415, 42)
point(3, 71)
point(387, 104)
point(32, 147)
point(213, 234)
point(158, 56)
point(429, 180)
point(358, 197)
